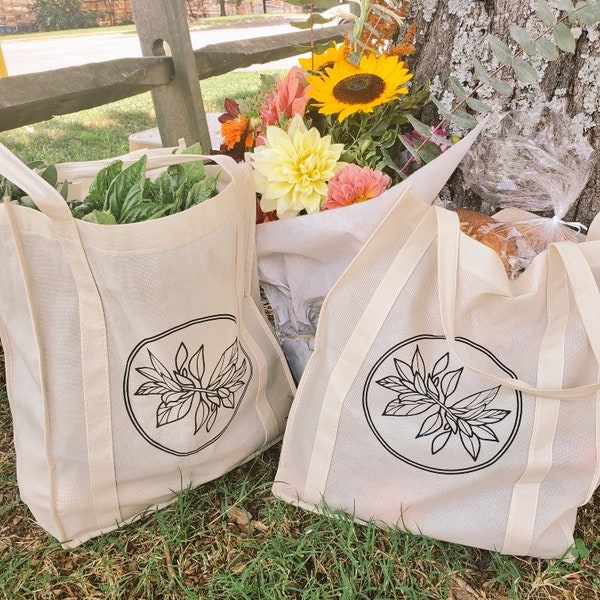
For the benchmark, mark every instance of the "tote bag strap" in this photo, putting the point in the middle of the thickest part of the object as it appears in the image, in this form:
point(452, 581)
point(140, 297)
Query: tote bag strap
point(565, 257)
point(95, 375)
point(363, 336)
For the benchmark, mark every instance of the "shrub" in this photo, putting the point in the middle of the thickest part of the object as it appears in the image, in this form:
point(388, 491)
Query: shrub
point(54, 15)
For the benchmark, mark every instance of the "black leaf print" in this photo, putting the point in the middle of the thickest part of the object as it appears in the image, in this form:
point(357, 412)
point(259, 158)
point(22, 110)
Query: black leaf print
point(419, 393)
point(185, 386)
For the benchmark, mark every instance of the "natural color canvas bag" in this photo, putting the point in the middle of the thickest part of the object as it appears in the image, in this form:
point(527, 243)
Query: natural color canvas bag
point(300, 259)
point(138, 362)
point(443, 398)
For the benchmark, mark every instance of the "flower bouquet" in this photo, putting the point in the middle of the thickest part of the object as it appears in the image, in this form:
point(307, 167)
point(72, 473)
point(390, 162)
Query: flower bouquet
point(335, 131)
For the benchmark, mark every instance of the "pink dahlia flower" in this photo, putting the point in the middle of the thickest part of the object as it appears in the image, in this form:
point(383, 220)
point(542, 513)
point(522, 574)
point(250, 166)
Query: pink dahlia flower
point(289, 98)
point(354, 184)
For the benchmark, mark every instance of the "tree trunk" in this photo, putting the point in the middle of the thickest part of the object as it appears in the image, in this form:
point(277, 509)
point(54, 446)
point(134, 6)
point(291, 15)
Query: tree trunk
point(453, 32)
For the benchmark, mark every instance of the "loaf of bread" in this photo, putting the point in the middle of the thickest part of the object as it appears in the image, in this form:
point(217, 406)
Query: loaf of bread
point(516, 242)
point(501, 237)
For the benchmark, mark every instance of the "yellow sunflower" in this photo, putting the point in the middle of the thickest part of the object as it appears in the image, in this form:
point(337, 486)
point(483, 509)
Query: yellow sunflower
point(318, 62)
point(346, 89)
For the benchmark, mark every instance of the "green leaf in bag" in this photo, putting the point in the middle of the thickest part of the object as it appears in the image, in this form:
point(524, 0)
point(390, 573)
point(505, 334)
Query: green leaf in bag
point(98, 190)
point(201, 191)
point(126, 188)
point(101, 217)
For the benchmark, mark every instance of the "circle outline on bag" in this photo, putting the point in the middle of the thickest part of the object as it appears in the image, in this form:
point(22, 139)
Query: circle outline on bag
point(467, 421)
point(206, 385)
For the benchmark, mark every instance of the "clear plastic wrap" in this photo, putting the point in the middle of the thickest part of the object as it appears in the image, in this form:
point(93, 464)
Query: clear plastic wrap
point(534, 165)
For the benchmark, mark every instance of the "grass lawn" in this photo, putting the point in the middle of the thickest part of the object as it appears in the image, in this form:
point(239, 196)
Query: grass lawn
point(231, 539)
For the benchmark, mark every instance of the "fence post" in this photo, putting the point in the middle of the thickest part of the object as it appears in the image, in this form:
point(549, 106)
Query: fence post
point(163, 29)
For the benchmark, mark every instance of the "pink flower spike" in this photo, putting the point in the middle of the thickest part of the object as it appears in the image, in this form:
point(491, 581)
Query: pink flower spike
point(352, 184)
point(288, 99)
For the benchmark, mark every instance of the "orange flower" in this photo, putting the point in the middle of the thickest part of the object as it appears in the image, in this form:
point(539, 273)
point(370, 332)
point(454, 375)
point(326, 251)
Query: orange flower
point(234, 130)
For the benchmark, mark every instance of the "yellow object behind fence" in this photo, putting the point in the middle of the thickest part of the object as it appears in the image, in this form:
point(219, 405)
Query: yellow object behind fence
point(3, 71)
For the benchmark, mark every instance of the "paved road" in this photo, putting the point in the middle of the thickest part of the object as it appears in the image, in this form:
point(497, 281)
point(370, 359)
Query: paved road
point(44, 54)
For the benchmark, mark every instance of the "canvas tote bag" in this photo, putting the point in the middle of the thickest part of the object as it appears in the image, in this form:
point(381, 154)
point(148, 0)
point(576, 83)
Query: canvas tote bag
point(300, 259)
point(138, 362)
point(443, 398)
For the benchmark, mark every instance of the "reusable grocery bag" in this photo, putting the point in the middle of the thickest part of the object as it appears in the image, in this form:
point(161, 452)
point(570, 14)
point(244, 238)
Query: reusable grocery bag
point(300, 259)
point(443, 398)
point(138, 361)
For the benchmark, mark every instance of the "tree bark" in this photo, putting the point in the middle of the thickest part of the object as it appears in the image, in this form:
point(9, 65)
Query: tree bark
point(453, 32)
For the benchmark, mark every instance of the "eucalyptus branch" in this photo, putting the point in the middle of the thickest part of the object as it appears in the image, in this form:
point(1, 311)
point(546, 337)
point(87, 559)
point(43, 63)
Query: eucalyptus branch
point(508, 59)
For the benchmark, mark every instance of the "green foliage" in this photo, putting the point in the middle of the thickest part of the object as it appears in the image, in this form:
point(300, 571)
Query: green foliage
point(127, 195)
point(556, 34)
point(58, 15)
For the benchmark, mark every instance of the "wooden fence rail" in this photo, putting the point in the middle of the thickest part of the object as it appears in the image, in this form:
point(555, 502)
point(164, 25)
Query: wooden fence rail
point(170, 69)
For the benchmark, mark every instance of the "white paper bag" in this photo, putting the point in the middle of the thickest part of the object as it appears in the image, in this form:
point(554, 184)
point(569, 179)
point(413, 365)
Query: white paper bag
point(445, 399)
point(137, 360)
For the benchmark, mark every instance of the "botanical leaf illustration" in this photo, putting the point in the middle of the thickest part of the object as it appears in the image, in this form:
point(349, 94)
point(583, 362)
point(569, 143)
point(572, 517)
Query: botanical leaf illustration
point(186, 385)
point(426, 394)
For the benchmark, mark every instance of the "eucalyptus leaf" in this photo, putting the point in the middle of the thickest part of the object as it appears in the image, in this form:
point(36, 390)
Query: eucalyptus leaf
point(564, 38)
point(429, 152)
point(444, 112)
point(566, 5)
point(590, 14)
point(524, 72)
point(547, 49)
point(419, 126)
point(522, 37)
point(500, 50)
point(545, 13)
point(301, 48)
point(301, 24)
point(457, 87)
point(411, 149)
point(463, 119)
point(426, 131)
point(318, 19)
point(502, 87)
point(478, 105)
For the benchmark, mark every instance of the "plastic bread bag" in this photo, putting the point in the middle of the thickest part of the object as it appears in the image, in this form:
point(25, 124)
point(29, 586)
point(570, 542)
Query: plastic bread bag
point(532, 165)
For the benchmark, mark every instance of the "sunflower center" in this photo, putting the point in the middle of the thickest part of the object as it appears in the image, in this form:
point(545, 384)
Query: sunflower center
point(361, 88)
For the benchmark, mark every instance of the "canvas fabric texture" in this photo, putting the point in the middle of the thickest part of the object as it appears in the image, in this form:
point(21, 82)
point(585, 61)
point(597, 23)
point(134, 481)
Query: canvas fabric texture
point(443, 398)
point(138, 359)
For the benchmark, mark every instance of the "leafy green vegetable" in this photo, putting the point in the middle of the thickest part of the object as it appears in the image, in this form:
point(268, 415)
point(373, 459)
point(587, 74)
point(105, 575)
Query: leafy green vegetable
point(126, 195)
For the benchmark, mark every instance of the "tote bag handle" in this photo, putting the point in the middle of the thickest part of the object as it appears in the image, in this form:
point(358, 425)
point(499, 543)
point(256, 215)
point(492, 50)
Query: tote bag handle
point(95, 375)
point(566, 264)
